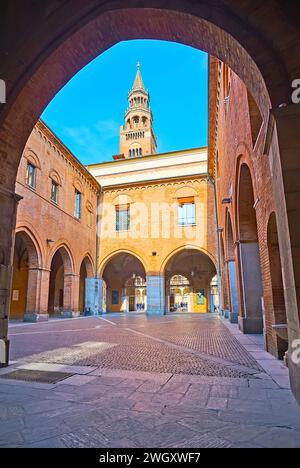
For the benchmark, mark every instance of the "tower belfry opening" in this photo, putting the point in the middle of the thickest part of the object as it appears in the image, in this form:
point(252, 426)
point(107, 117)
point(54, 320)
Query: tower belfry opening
point(137, 137)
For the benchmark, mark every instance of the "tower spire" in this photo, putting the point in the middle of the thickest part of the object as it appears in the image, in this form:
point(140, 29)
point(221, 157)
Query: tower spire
point(138, 82)
point(137, 137)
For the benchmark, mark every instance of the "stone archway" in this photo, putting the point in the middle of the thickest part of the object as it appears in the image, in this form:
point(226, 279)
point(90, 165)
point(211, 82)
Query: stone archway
point(239, 35)
point(125, 276)
point(193, 271)
point(61, 286)
point(26, 277)
point(251, 319)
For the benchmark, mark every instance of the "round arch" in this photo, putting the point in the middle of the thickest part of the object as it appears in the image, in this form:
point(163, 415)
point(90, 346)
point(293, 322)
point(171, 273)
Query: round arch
point(124, 276)
point(194, 271)
point(89, 265)
point(67, 256)
point(107, 259)
point(25, 280)
point(33, 242)
point(100, 30)
point(186, 247)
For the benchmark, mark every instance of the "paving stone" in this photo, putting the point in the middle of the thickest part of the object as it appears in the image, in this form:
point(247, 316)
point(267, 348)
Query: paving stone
point(279, 438)
point(151, 394)
point(124, 427)
point(78, 380)
point(204, 441)
point(87, 437)
point(203, 423)
point(255, 406)
point(163, 436)
point(237, 434)
point(44, 406)
point(217, 403)
point(43, 432)
point(53, 442)
point(11, 439)
point(224, 391)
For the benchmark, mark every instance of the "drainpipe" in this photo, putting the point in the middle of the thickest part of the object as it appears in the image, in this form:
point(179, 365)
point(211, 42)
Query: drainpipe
point(212, 181)
point(99, 197)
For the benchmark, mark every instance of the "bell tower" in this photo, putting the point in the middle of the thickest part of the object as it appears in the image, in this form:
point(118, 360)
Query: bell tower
point(137, 137)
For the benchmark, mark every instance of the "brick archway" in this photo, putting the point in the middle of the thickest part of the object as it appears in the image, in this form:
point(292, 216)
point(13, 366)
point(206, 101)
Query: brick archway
point(194, 270)
point(26, 276)
point(72, 34)
point(117, 271)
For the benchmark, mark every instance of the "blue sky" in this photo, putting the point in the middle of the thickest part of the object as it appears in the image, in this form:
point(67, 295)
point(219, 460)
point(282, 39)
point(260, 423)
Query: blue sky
point(87, 113)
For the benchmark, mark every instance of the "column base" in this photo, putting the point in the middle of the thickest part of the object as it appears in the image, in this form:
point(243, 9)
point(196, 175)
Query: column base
point(93, 313)
point(294, 370)
point(4, 352)
point(226, 313)
point(33, 318)
point(157, 312)
point(68, 314)
point(251, 326)
point(233, 317)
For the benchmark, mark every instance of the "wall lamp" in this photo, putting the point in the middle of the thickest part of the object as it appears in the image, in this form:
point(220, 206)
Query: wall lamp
point(227, 201)
point(50, 241)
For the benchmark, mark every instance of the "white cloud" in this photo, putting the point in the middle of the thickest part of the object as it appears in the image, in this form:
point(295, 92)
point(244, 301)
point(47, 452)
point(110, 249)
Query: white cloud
point(92, 143)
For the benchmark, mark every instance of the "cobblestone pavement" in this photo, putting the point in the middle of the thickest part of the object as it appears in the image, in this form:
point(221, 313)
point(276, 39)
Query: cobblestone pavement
point(140, 382)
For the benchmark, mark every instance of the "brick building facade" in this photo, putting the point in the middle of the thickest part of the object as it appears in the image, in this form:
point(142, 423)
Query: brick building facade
point(55, 246)
point(252, 284)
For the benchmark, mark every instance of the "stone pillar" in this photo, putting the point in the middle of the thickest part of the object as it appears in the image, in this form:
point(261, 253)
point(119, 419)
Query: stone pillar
point(93, 296)
point(70, 281)
point(44, 294)
point(75, 295)
point(252, 321)
point(234, 312)
point(37, 295)
point(8, 209)
point(156, 295)
point(283, 148)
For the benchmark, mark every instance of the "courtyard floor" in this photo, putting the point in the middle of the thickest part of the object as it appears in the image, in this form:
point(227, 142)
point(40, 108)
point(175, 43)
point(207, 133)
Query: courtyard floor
point(136, 381)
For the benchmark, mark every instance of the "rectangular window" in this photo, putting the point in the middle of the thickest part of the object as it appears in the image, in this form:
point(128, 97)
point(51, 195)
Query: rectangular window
point(31, 175)
point(122, 218)
point(187, 212)
point(77, 204)
point(54, 192)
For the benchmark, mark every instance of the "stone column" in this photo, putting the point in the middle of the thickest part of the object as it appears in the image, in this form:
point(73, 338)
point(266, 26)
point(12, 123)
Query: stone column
point(234, 312)
point(252, 321)
point(44, 295)
point(75, 295)
point(93, 296)
point(156, 295)
point(69, 287)
point(8, 209)
point(283, 148)
point(35, 291)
